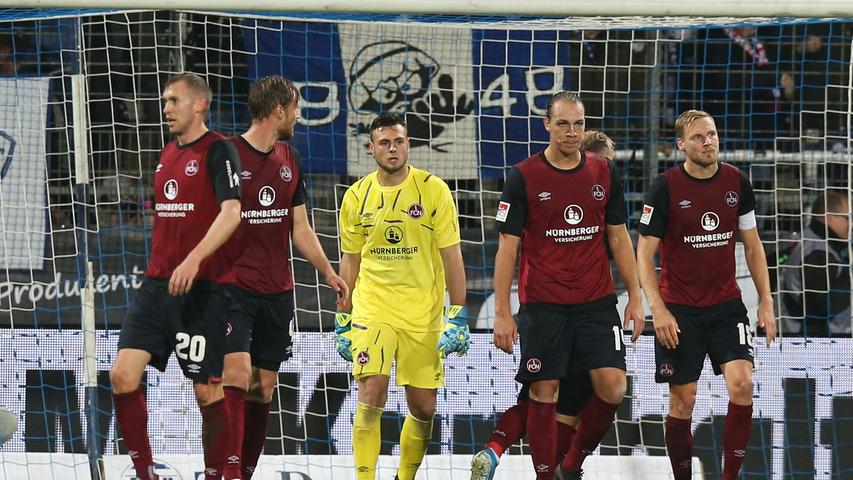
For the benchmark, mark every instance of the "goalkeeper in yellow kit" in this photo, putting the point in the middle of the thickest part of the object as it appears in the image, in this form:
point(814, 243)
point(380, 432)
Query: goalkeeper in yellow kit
point(400, 242)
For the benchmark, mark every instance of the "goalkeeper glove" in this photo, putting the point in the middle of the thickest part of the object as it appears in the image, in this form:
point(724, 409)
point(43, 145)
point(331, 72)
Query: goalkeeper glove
point(343, 343)
point(456, 336)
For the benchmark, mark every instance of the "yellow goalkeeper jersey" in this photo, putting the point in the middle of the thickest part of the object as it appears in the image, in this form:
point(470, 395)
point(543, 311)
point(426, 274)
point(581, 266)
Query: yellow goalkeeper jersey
point(398, 232)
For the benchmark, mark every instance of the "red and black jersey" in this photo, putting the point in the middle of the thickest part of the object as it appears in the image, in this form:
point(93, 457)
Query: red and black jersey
point(189, 184)
point(561, 217)
point(697, 222)
point(272, 185)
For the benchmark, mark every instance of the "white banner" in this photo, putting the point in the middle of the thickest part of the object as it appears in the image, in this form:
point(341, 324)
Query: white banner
point(23, 127)
point(424, 72)
point(479, 386)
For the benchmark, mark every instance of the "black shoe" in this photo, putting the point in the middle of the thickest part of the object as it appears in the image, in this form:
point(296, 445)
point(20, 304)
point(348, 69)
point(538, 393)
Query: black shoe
point(560, 474)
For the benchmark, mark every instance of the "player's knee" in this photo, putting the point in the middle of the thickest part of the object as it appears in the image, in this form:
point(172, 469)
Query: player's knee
point(422, 412)
point(741, 390)
point(545, 391)
point(122, 380)
point(260, 390)
point(613, 392)
point(681, 404)
point(237, 376)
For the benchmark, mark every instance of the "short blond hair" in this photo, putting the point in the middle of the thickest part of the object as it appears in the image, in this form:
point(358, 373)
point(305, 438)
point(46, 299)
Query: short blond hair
point(686, 119)
point(597, 141)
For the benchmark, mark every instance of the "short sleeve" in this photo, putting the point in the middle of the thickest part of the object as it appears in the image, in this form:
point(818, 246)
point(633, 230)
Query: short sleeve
point(512, 208)
point(300, 195)
point(223, 165)
point(445, 219)
point(655, 216)
point(350, 227)
point(615, 212)
point(747, 195)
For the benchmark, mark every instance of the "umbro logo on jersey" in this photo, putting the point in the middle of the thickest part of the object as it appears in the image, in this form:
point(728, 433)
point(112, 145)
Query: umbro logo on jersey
point(193, 368)
point(685, 204)
point(598, 192)
point(159, 167)
point(247, 175)
point(544, 196)
point(191, 168)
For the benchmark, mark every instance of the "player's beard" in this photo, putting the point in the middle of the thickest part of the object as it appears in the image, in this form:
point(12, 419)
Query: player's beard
point(391, 170)
point(704, 159)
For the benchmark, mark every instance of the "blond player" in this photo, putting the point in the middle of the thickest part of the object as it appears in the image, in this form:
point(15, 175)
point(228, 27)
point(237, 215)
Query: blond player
point(400, 242)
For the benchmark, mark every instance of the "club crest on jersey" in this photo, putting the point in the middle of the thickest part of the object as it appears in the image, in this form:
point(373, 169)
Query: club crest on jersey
point(667, 370)
point(362, 358)
point(646, 217)
point(266, 196)
point(228, 329)
point(394, 234)
point(285, 173)
point(573, 214)
point(415, 211)
point(534, 365)
point(731, 198)
point(170, 189)
point(191, 168)
point(598, 192)
point(710, 221)
point(503, 211)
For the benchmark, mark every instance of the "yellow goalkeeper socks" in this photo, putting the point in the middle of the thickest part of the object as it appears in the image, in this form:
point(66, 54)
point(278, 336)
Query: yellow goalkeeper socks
point(414, 440)
point(366, 440)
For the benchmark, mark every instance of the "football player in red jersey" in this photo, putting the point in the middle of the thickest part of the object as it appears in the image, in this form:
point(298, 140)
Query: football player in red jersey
point(181, 305)
point(574, 390)
point(555, 209)
point(273, 214)
point(695, 212)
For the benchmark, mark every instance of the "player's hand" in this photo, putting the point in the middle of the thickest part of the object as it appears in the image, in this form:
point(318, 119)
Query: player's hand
point(505, 332)
point(767, 320)
point(666, 327)
point(634, 313)
point(341, 289)
point(343, 343)
point(182, 277)
point(456, 336)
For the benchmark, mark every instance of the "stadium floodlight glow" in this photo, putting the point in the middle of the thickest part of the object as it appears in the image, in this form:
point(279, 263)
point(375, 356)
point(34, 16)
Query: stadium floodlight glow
point(551, 8)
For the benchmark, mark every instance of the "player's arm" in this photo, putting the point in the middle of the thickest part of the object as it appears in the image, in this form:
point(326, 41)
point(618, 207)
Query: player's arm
point(505, 329)
point(511, 218)
point(652, 227)
point(350, 266)
point(305, 238)
point(454, 273)
point(756, 258)
point(223, 163)
point(626, 264)
point(306, 241)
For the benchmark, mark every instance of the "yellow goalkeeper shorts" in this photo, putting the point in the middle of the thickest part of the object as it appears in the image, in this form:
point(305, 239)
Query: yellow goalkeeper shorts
point(376, 345)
